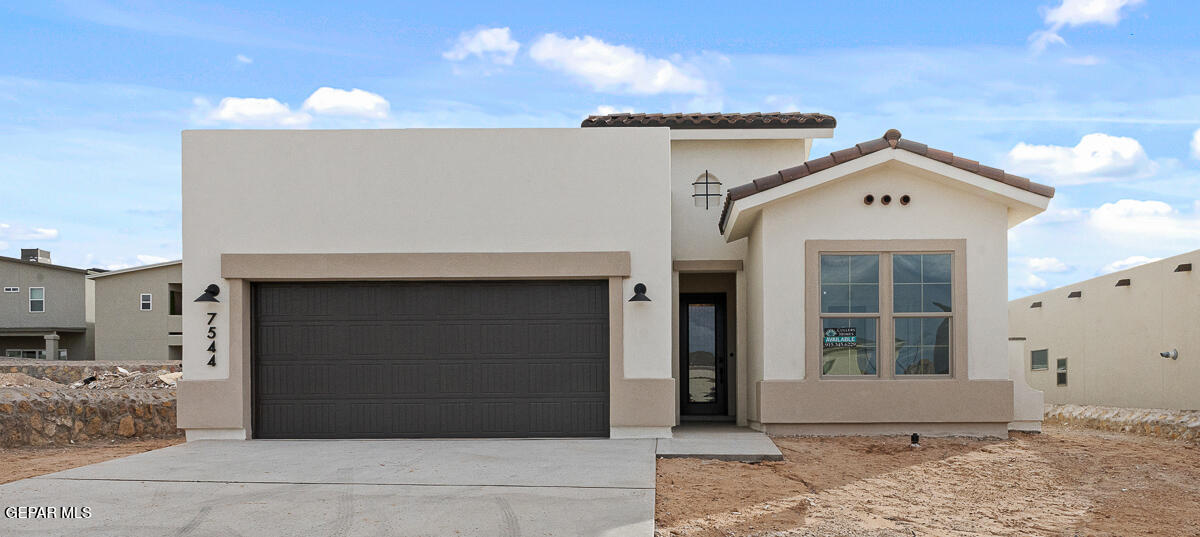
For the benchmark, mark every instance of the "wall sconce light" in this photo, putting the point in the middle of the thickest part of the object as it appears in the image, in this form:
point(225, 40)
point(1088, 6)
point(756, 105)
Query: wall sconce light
point(639, 293)
point(1172, 354)
point(210, 293)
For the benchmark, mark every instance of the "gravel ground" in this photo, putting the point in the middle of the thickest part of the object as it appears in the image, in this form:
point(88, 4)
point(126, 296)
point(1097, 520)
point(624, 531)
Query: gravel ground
point(1063, 482)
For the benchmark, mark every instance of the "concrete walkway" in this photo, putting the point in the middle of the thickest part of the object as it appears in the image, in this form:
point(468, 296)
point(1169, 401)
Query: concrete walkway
point(489, 488)
point(721, 441)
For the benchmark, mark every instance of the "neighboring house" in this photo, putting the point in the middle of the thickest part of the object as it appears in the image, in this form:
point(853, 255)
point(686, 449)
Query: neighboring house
point(598, 281)
point(1099, 342)
point(46, 310)
point(139, 313)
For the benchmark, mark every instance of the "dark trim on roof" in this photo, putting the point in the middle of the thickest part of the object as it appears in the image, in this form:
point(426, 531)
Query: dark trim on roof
point(756, 120)
point(890, 139)
point(46, 265)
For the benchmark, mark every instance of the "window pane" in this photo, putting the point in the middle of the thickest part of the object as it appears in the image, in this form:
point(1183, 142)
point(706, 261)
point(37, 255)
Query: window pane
point(906, 268)
point(37, 306)
point(864, 298)
point(835, 299)
point(856, 358)
point(922, 283)
point(864, 268)
point(935, 268)
point(835, 269)
point(1039, 360)
point(37, 293)
point(906, 297)
point(922, 346)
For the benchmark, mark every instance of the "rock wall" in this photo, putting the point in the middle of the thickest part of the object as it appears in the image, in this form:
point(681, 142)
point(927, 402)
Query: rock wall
point(1172, 424)
point(68, 371)
point(33, 417)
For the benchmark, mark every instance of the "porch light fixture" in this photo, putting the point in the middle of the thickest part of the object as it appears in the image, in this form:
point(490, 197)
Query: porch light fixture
point(639, 293)
point(210, 293)
point(706, 191)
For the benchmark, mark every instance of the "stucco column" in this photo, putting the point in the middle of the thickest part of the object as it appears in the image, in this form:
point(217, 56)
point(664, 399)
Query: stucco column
point(51, 346)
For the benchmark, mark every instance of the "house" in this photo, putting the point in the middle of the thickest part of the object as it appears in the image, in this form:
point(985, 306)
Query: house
point(1125, 339)
point(139, 312)
point(600, 281)
point(46, 310)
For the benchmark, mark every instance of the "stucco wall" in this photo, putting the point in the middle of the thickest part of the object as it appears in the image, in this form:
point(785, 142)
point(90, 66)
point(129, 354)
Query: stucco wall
point(836, 211)
point(1111, 337)
point(66, 297)
point(733, 162)
point(430, 190)
point(123, 330)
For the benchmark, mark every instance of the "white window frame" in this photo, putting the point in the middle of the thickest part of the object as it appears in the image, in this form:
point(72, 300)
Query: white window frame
point(12, 289)
point(43, 299)
point(146, 302)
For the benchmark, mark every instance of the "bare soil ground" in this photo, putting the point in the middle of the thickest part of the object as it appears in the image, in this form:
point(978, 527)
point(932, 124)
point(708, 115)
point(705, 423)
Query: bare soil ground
point(1065, 481)
point(23, 462)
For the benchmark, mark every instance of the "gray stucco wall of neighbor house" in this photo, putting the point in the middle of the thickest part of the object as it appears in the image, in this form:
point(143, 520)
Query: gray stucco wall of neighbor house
point(66, 297)
point(123, 330)
point(1111, 337)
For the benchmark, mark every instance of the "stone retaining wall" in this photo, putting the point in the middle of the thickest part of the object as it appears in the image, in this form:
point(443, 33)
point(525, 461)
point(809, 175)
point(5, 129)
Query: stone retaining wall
point(68, 371)
point(1172, 424)
point(32, 416)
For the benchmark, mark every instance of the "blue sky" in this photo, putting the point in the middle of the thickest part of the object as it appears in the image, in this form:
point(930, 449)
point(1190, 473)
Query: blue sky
point(1100, 98)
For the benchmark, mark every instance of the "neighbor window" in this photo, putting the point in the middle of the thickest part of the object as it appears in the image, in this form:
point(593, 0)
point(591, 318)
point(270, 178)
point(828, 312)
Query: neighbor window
point(175, 302)
point(37, 299)
point(1039, 360)
point(147, 301)
point(904, 300)
point(1061, 371)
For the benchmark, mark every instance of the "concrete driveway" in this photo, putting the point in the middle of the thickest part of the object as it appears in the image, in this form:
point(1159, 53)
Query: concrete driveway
point(493, 488)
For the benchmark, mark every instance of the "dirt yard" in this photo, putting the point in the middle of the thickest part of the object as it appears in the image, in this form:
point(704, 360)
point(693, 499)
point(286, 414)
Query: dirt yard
point(1066, 481)
point(23, 462)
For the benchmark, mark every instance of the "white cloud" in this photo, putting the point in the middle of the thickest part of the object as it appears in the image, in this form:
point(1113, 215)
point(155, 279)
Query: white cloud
point(494, 44)
point(1131, 261)
point(356, 102)
point(242, 58)
point(1046, 264)
point(253, 112)
point(1033, 282)
point(1096, 158)
point(1084, 60)
point(151, 259)
point(1147, 219)
point(22, 233)
point(608, 67)
point(604, 110)
point(1072, 13)
point(1196, 144)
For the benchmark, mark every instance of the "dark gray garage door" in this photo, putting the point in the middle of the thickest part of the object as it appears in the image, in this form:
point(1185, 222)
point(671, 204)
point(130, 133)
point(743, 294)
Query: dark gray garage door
point(430, 359)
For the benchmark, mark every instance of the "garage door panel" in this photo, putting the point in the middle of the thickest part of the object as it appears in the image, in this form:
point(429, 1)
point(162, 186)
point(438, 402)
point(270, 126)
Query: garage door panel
point(414, 359)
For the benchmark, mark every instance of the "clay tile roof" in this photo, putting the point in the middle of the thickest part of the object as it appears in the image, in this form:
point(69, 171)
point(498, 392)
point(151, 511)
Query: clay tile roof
point(890, 139)
point(756, 120)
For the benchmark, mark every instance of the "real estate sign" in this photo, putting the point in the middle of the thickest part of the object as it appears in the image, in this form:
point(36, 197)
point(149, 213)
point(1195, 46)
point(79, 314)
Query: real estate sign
point(840, 337)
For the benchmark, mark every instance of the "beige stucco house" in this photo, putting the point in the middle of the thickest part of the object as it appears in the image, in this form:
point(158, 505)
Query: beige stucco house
point(600, 281)
point(1126, 339)
point(47, 311)
point(139, 312)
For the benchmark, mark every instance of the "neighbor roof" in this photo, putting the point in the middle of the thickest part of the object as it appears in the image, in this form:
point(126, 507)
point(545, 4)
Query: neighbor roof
point(890, 139)
point(756, 120)
point(135, 269)
point(46, 265)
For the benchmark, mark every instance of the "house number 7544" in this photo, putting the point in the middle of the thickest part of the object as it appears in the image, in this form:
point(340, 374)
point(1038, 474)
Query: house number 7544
point(212, 335)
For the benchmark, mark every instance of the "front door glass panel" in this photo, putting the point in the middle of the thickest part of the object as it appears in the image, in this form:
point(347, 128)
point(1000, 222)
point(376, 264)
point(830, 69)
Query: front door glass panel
point(702, 353)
